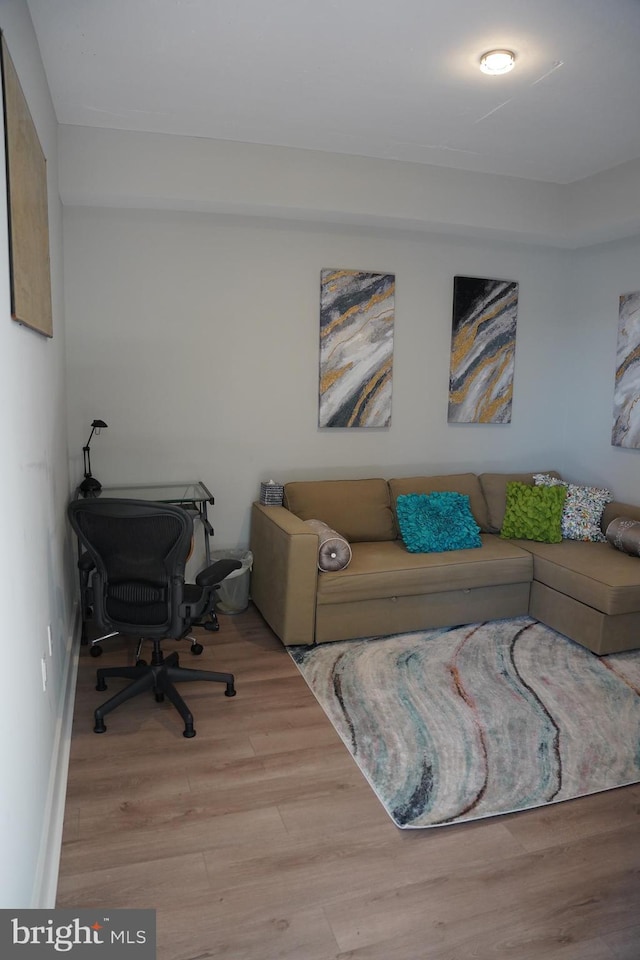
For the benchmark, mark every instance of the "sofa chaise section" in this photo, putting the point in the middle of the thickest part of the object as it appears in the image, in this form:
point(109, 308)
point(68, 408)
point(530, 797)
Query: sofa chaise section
point(589, 592)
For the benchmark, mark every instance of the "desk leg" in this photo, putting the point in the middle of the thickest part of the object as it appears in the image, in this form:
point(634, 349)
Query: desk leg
point(208, 531)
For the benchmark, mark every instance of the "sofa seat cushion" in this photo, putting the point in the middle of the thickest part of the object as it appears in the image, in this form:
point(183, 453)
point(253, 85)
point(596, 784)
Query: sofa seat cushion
point(593, 573)
point(386, 569)
point(357, 509)
point(466, 483)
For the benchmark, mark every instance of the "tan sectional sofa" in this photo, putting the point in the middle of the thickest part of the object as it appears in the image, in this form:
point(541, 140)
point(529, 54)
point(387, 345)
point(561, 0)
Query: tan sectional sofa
point(587, 591)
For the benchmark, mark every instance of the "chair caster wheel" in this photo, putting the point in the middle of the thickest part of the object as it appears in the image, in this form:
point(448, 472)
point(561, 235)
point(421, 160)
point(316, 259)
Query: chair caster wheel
point(196, 649)
point(188, 732)
point(141, 663)
point(100, 727)
point(212, 625)
point(159, 697)
point(230, 691)
point(101, 685)
point(96, 650)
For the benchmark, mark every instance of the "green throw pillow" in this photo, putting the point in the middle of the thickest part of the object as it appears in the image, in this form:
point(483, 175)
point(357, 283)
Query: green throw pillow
point(533, 513)
point(438, 521)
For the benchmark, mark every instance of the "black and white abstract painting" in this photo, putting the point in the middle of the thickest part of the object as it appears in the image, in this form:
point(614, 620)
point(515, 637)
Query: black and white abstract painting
point(483, 348)
point(626, 397)
point(356, 348)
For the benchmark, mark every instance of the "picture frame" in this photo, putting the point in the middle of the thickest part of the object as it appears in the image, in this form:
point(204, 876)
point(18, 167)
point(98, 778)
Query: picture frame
point(625, 431)
point(483, 345)
point(27, 206)
point(357, 315)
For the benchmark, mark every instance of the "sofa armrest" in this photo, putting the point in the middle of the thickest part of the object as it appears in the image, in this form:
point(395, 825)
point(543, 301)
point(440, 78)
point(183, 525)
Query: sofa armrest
point(617, 509)
point(284, 577)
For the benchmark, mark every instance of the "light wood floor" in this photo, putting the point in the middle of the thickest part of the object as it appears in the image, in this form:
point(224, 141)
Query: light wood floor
point(260, 839)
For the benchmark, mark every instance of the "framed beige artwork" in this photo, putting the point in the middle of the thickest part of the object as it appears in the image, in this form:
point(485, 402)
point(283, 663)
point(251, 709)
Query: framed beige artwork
point(27, 207)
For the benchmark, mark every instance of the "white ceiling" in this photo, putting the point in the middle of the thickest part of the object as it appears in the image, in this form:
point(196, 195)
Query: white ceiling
point(396, 79)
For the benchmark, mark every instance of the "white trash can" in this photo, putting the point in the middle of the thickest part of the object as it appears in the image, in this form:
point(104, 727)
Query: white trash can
point(233, 593)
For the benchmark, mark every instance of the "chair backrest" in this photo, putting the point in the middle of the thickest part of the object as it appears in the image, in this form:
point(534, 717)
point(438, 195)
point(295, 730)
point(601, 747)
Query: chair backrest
point(139, 549)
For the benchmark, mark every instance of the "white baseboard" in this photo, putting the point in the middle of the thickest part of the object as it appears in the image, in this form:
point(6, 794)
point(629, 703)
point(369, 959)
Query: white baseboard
point(46, 880)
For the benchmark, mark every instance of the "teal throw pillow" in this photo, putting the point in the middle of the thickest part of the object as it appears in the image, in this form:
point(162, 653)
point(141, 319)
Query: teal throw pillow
point(533, 513)
point(435, 522)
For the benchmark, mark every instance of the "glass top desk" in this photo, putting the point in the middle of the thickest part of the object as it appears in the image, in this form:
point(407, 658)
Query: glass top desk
point(193, 496)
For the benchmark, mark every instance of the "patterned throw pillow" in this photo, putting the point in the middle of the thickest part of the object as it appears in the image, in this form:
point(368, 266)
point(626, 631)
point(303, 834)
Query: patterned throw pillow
point(533, 513)
point(623, 533)
point(438, 521)
point(582, 509)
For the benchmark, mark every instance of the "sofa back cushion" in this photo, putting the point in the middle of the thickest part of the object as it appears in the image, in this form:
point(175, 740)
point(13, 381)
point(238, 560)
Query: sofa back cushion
point(466, 483)
point(494, 487)
point(358, 509)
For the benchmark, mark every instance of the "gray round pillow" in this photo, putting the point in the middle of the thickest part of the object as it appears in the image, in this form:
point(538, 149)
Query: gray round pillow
point(334, 551)
point(623, 533)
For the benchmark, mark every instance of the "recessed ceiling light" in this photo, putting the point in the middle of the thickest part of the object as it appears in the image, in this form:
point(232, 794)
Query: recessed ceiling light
point(496, 62)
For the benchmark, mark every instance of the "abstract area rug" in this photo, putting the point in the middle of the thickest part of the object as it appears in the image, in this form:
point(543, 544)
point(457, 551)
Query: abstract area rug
point(468, 722)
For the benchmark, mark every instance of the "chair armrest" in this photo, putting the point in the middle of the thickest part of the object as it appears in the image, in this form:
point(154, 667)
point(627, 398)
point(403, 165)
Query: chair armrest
point(86, 566)
point(85, 563)
point(217, 572)
point(284, 577)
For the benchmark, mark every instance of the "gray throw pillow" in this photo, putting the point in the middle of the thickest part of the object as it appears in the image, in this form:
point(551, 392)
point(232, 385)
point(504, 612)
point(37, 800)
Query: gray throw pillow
point(334, 551)
point(623, 533)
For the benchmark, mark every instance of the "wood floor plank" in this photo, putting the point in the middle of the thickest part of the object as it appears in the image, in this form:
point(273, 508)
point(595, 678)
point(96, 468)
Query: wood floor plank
point(193, 935)
point(89, 748)
point(625, 943)
point(97, 781)
point(342, 867)
point(260, 838)
point(484, 944)
point(142, 833)
point(576, 819)
point(265, 788)
point(552, 885)
point(145, 884)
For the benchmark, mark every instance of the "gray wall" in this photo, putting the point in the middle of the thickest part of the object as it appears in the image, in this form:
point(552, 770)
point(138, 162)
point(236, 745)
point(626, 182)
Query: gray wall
point(36, 583)
point(598, 277)
point(195, 336)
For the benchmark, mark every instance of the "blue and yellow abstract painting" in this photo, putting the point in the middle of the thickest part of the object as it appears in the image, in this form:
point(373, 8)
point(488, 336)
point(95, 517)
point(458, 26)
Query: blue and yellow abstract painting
point(356, 348)
point(483, 349)
point(626, 398)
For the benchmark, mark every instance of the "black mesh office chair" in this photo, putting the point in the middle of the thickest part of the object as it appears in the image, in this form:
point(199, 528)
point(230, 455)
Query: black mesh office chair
point(139, 550)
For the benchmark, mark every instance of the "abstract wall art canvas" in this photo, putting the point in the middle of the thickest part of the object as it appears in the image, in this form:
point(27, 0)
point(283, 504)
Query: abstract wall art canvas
point(356, 348)
point(626, 397)
point(483, 347)
point(30, 275)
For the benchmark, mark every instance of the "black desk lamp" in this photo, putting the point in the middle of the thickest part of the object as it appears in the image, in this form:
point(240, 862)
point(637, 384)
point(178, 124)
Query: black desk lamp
point(90, 486)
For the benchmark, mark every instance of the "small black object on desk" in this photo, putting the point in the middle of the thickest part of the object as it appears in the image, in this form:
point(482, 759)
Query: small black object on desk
point(90, 486)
